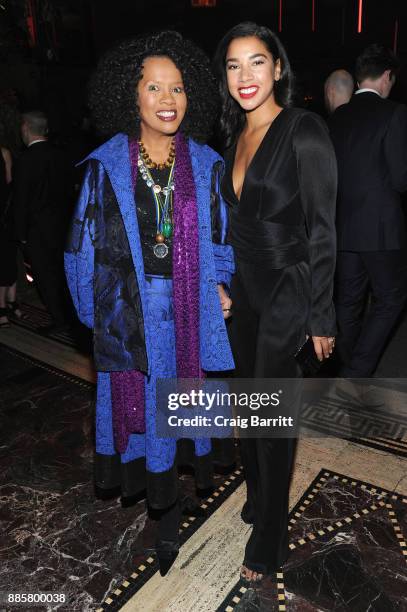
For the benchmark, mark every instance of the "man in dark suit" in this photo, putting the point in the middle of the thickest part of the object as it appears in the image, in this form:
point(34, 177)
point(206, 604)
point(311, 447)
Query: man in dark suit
point(42, 194)
point(370, 138)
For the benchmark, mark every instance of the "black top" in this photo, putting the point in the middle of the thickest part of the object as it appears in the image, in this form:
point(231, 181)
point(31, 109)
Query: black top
point(370, 139)
point(147, 220)
point(286, 211)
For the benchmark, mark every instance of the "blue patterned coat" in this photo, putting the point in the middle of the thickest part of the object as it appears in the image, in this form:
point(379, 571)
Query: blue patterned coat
point(110, 298)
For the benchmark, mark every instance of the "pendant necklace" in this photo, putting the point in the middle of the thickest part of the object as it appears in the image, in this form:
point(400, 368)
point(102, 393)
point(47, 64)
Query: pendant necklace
point(163, 202)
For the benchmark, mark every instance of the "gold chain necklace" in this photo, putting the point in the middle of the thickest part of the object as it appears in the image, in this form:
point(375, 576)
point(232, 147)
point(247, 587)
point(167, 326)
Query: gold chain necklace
point(153, 165)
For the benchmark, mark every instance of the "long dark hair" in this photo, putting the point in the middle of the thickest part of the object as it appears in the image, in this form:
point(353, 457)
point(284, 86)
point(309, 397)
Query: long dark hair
point(232, 116)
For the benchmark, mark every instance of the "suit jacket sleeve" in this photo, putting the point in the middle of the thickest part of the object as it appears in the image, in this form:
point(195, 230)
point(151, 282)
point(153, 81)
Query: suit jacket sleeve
point(79, 252)
point(395, 147)
point(317, 176)
point(21, 197)
point(223, 252)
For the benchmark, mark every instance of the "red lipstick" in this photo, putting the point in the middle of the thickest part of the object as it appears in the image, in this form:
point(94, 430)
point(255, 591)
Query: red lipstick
point(248, 92)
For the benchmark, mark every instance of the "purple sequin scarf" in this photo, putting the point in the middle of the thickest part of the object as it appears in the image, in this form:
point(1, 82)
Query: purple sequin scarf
point(127, 388)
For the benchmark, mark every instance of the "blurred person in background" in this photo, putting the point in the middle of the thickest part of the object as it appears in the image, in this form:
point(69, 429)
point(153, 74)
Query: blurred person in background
point(8, 246)
point(370, 139)
point(42, 203)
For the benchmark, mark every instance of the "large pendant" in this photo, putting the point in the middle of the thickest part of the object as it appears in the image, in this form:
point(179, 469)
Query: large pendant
point(160, 250)
point(167, 229)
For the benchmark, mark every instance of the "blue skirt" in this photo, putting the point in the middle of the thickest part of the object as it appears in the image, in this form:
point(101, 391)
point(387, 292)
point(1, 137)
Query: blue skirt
point(149, 462)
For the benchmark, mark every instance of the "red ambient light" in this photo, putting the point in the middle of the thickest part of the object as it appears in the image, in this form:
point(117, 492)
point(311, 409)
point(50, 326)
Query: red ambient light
point(360, 15)
point(203, 3)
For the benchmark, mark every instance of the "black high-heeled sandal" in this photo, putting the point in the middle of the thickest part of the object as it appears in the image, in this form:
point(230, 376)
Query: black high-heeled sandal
point(259, 569)
point(4, 312)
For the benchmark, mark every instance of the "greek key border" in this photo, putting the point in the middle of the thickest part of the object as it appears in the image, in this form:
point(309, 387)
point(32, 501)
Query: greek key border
point(384, 496)
point(189, 526)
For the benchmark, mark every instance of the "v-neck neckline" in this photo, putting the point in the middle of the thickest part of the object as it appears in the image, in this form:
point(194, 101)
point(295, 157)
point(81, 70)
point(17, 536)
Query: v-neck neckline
point(233, 158)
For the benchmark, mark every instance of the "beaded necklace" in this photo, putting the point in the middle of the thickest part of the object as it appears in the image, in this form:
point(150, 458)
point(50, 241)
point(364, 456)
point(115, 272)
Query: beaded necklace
point(149, 162)
point(163, 200)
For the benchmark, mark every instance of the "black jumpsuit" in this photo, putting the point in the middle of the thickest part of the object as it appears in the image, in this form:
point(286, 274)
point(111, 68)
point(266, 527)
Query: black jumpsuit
point(283, 234)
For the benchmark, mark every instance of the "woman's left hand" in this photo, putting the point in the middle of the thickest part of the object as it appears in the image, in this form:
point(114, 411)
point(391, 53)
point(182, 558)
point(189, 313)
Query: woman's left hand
point(225, 302)
point(323, 345)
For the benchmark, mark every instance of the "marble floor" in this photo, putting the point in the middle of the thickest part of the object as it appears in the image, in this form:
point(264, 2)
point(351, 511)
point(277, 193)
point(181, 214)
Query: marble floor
point(347, 500)
point(54, 534)
point(328, 542)
point(348, 552)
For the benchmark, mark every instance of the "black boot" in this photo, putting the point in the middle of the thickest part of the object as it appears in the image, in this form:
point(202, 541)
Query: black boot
point(167, 552)
point(167, 543)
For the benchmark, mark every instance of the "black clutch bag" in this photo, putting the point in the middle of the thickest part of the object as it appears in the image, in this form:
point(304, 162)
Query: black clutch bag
point(307, 359)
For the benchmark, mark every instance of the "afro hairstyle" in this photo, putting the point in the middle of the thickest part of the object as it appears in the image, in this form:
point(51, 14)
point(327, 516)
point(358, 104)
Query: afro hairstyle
point(113, 86)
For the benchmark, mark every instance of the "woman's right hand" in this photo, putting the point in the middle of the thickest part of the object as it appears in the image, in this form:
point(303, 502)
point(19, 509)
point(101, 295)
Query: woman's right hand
point(323, 346)
point(225, 302)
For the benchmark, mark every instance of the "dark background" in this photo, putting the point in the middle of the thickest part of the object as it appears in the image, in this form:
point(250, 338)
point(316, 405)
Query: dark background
point(49, 47)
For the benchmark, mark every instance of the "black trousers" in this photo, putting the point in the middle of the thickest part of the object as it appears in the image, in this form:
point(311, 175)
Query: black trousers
point(363, 335)
point(46, 259)
point(267, 464)
point(267, 326)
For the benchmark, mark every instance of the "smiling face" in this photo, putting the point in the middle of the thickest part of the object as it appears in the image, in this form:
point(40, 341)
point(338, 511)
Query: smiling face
point(251, 72)
point(161, 97)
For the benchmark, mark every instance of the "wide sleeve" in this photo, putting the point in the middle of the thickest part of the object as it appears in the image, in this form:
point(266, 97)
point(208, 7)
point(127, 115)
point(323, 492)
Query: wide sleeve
point(223, 252)
point(79, 251)
point(317, 177)
point(395, 148)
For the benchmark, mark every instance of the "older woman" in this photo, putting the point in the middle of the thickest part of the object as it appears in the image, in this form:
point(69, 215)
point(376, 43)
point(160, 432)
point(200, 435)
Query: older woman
point(144, 268)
